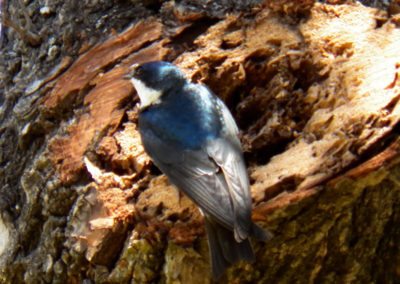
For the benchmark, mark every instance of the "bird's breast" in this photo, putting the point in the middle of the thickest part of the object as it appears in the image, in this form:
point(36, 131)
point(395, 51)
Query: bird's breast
point(184, 122)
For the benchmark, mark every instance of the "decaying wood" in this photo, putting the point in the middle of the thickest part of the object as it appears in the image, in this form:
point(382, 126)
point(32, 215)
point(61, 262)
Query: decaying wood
point(315, 89)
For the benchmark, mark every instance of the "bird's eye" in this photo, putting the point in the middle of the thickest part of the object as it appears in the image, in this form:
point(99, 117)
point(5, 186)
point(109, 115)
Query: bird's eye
point(139, 70)
point(136, 70)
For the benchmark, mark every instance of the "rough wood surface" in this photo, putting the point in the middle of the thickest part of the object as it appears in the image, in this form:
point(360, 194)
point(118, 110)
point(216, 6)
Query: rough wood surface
point(315, 90)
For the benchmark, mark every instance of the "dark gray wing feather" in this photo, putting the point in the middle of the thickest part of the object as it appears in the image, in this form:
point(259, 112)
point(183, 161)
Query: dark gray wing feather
point(195, 174)
point(230, 160)
point(227, 153)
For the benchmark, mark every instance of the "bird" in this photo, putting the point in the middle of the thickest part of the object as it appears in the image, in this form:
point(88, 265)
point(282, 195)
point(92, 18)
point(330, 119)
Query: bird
point(192, 137)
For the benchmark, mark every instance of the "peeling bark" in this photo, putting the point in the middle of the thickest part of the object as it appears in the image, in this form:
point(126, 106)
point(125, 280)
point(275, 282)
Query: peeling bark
point(314, 88)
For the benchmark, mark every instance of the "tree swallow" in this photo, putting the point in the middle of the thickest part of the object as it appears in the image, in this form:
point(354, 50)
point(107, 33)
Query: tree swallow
point(193, 139)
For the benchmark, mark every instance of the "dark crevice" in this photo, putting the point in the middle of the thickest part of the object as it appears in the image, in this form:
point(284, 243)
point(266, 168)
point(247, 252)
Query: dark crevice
point(380, 22)
point(174, 217)
point(378, 147)
point(184, 42)
point(225, 44)
point(154, 170)
point(307, 75)
point(264, 98)
point(288, 184)
point(118, 253)
point(189, 35)
point(392, 104)
point(153, 5)
point(263, 155)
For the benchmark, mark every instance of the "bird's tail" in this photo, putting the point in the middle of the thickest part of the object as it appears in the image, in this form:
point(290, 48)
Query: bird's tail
point(224, 249)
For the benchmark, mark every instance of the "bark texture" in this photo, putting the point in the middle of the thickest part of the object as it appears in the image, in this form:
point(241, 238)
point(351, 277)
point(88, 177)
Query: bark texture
point(315, 90)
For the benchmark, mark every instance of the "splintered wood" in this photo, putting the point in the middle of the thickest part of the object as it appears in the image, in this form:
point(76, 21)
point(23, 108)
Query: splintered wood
point(103, 90)
point(354, 107)
point(328, 90)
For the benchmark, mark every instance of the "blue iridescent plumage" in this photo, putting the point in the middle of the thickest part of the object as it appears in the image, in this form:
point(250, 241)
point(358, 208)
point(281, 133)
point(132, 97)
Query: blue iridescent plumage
point(183, 118)
point(192, 138)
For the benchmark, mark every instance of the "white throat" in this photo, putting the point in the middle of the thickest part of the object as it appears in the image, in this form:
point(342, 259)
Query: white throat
point(148, 96)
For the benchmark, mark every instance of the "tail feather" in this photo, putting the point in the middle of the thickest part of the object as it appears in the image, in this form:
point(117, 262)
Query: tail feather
point(224, 250)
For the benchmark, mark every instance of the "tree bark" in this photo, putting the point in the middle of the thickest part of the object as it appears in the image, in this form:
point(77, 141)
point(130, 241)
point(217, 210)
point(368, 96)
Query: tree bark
point(313, 86)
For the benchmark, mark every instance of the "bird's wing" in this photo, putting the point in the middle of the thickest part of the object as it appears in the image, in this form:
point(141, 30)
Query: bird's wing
point(196, 174)
point(215, 177)
point(229, 158)
point(227, 153)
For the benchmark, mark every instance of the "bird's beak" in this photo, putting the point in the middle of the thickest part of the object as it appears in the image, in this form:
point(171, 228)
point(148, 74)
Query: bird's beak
point(131, 72)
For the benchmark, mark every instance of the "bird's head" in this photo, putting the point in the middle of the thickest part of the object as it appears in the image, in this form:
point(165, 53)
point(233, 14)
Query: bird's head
point(152, 79)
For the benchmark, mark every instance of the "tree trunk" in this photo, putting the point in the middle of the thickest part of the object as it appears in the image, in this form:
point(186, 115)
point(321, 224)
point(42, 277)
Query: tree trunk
point(315, 90)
